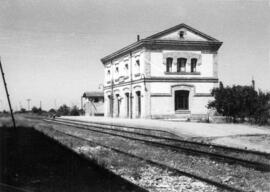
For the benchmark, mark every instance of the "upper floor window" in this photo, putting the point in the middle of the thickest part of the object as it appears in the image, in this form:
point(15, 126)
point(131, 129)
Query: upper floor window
point(193, 65)
point(116, 70)
point(138, 65)
point(181, 64)
point(181, 34)
point(169, 61)
point(108, 72)
point(126, 68)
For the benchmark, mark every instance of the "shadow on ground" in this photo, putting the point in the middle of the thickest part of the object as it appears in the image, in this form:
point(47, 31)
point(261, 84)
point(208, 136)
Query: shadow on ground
point(33, 162)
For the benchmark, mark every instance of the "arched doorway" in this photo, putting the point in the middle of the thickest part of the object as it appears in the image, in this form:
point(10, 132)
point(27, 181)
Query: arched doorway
point(181, 98)
point(138, 101)
point(127, 104)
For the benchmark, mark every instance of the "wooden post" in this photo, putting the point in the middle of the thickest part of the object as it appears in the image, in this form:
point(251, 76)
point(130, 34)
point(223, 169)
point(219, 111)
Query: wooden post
point(5, 84)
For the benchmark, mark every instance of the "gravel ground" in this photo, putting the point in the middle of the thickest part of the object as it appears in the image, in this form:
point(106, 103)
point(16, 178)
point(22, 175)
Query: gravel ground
point(242, 177)
point(138, 172)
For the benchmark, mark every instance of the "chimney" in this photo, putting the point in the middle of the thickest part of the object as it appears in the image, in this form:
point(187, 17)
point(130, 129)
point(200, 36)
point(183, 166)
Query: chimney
point(253, 83)
point(138, 37)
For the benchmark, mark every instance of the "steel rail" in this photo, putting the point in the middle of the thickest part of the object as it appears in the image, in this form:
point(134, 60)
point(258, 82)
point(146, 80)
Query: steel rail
point(191, 175)
point(244, 162)
point(267, 155)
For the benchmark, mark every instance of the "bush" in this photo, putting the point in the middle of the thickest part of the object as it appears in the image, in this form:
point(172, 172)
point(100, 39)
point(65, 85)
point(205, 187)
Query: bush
point(36, 110)
point(75, 111)
point(63, 110)
point(240, 103)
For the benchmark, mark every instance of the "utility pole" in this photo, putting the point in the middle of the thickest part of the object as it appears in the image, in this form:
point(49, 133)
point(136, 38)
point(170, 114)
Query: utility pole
point(40, 105)
point(28, 103)
point(9, 103)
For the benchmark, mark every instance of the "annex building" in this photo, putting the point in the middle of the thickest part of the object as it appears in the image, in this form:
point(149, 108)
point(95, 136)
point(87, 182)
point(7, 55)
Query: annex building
point(166, 75)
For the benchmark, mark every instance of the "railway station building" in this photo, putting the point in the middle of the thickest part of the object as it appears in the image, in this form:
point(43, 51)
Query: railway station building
point(167, 75)
point(93, 103)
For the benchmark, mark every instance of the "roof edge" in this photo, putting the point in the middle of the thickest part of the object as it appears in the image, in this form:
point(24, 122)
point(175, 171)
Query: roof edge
point(181, 26)
point(146, 41)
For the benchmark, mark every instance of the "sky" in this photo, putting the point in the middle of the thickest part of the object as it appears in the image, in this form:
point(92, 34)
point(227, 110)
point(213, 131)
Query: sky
point(51, 49)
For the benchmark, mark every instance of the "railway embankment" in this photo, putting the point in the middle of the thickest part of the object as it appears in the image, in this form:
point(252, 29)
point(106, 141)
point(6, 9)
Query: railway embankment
point(157, 167)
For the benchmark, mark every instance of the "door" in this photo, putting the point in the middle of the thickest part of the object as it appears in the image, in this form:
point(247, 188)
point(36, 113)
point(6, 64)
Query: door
point(138, 94)
point(181, 100)
point(127, 104)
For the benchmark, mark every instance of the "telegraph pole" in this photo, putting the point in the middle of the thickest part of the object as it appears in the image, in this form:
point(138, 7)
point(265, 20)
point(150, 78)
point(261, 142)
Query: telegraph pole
point(9, 103)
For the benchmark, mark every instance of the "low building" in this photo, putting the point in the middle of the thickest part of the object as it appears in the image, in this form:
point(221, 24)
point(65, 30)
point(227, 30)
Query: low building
point(166, 75)
point(93, 103)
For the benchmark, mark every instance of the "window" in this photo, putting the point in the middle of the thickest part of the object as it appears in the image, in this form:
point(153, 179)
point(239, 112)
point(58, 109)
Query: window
point(181, 64)
point(181, 34)
point(116, 70)
point(169, 64)
point(193, 65)
point(138, 65)
point(108, 72)
point(126, 69)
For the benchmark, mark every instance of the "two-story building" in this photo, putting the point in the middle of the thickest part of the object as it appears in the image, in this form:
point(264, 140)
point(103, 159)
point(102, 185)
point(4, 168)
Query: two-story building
point(166, 75)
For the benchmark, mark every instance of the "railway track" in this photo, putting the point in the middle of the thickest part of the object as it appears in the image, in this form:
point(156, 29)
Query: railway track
point(252, 159)
point(219, 185)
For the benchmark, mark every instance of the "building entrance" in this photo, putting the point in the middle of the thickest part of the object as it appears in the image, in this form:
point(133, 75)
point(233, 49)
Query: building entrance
point(181, 100)
point(138, 94)
point(127, 104)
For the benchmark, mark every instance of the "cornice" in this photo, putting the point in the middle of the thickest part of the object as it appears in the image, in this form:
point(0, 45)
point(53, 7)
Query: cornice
point(166, 80)
point(153, 44)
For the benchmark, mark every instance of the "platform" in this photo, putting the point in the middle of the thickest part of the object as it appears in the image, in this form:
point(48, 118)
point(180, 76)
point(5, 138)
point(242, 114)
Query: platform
point(250, 137)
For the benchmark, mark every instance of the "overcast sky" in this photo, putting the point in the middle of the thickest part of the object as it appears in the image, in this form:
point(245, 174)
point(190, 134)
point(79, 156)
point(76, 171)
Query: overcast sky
point(51, 49)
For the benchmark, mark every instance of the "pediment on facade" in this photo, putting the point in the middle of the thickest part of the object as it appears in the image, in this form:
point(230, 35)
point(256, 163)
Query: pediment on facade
point(182, 32)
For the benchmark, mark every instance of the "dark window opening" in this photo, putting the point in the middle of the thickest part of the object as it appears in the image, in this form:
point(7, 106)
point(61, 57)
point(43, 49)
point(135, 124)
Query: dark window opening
point(117, 105)
point(193, 65)
point(181, 64)
point(169, 64)
point(127, 104)
point(138, 94)
point(181, 100)
point(181, 34)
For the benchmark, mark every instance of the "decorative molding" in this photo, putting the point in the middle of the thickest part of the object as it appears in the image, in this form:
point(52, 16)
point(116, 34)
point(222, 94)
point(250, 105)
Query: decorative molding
point(161, 95)
point(182, 73)
point(153, 44)
point(167, 79)
point(182, 85)
point(203, 95)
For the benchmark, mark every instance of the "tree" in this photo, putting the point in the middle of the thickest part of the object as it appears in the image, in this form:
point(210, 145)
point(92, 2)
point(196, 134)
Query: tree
point(23, 110)
point(75, 111)
point(63, 110)
point(36, 110)
point(241, 102)
point(262, 111)
point(52, 111)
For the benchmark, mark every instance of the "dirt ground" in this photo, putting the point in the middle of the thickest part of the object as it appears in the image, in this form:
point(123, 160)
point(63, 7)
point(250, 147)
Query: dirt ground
point(251, 142)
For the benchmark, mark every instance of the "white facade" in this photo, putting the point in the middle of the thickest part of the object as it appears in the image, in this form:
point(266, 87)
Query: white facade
point(165, 75)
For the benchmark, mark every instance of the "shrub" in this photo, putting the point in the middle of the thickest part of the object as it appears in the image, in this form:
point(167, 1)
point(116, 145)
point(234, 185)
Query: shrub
point(63, 110)
point(75, 111)
point(241, 102)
